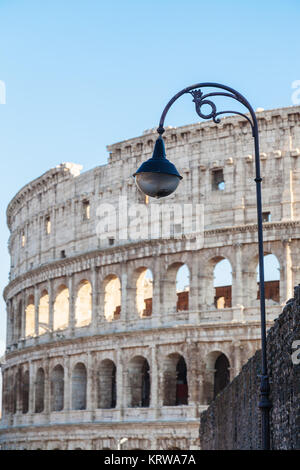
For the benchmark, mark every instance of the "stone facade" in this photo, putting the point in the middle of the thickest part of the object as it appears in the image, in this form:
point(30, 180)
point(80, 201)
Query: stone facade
point(90, 358)
point(227, 427)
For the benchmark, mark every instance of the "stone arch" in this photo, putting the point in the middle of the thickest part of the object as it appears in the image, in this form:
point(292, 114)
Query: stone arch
point(144, 291)
point(222, 283)
point(182, 287)
point(44, 312)
point(216, 376)
point(57, 388)
point(79, 387)
point(61, 308)
point(39, 390)
point(222, 374)
point(173, 299)
point(175, 384)
point(30, 317)
point(83, 304)
point(25, 392)
point(272, 278)
point(107, 384)
point(138, 382)
point(112, 297)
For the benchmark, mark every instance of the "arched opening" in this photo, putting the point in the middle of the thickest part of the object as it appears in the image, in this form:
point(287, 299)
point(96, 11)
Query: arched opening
point(107, 390)
point(272, 278)
point(29, 317)
point(79, 387)
point(112, 298)
point(175, 381)
point(223, 284)
point(39, 390)
point(25, 392)
point(83, 304)
point(144, 292)
point(222, 374)
point(57, 388)
point(61, 308)
point(182, 288)
point(44, 312)
point(139, 382)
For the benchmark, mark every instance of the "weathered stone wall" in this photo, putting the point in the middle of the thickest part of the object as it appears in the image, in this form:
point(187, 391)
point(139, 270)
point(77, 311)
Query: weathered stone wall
point(232, 421)
point(76, 293)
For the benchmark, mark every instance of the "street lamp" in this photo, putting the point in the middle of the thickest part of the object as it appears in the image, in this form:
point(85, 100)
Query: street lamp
point(157, 177)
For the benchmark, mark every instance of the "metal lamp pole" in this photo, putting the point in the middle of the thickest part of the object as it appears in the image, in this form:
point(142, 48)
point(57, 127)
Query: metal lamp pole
point(158, 177)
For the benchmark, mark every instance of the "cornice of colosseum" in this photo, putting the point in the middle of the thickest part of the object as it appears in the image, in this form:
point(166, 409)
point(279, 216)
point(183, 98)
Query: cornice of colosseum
point(229, 124)
point(128, 340)
point(122, 253)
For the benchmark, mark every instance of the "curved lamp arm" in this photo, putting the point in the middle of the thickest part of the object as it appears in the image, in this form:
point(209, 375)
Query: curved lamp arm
point(200, 99)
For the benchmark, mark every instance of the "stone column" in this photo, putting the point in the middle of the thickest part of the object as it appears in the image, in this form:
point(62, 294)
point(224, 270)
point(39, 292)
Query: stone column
point(23, 320)
point(67, 384)
point(236, 355)
point(36, 311)
point(126, 293)
point(194, 278)
point(286, 284)
point(119, 380)
point(47, 390)
point(72, 293)
point(11, 322)
point(287, 190)
point(90, 383)
point(95, 295)
point(237, 281)
point(157, 290)
point(51, 303)
point(31, 388)
point(154, 380)
point(191, 355)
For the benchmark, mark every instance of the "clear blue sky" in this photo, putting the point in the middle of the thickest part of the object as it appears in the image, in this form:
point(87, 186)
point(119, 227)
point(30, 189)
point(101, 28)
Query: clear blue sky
point(83, 74)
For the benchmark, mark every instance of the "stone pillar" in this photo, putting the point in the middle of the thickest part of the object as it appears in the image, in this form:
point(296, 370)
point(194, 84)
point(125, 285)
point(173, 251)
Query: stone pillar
point(157, 290)
point(36, 311)
point(154, 379)
point(237, 360)
point(47, 392)
point(239, 199)
point(95, 297)
point(207, 288)
point(72, 294)
point(119, 380)
point(237, 281)
point(286, 284)
point(51, 303)
point(90, 383)
point(287, 190)
point(67, 384)
point(11, 322)
point(194, 289)
point(23, 320)
point(200, 384)
point(31, 388)
point(124, 391)
point(192, 354)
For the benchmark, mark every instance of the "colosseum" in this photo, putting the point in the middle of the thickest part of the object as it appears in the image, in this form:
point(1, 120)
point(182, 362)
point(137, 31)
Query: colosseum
point(120, 338)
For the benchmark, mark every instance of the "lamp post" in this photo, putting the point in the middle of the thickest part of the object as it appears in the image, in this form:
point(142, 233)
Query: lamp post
point(157, 177)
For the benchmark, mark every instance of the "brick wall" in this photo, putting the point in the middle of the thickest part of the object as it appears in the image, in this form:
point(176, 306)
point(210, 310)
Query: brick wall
point(232, 421)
